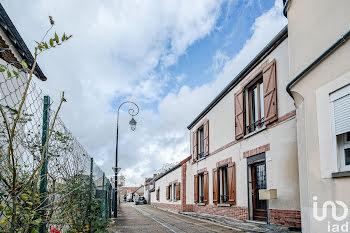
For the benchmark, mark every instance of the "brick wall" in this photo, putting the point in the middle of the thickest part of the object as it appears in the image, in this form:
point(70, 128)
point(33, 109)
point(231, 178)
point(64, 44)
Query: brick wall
point(285, 217)
point(228, 211)
point(183, 187)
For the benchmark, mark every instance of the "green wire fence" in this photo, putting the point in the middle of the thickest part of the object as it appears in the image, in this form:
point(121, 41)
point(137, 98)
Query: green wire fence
point(44, 184)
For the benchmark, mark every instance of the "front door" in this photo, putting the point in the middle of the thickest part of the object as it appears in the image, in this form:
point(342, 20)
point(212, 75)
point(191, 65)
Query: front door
point(258, 182)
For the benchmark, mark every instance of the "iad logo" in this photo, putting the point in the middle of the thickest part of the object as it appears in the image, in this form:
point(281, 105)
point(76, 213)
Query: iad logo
point(332, 227)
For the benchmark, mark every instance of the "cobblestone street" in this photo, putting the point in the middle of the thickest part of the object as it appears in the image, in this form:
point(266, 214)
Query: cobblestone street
point(148, 219)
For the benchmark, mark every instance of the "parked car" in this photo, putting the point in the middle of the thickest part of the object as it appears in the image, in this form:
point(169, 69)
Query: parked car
point(140, 201)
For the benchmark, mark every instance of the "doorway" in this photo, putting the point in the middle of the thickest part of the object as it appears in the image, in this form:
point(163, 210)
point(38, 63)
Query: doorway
point(256, 181)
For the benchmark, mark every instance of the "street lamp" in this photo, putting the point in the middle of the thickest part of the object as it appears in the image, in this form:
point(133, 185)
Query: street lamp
point(133, 112)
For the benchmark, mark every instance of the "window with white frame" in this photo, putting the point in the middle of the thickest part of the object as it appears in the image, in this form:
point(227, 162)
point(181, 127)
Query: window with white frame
point(341, 119)
point(200, 138)
point(255, 105)
point(201, 188)
point(223, 184)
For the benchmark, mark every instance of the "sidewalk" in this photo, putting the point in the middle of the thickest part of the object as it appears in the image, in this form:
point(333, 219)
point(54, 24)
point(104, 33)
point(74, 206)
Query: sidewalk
point(243, 225)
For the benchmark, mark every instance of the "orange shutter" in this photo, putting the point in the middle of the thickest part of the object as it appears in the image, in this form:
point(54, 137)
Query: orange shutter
point(195, 152)
point(239, 114)
point(206, 138)
point(195, 188)
point(178, 191)
point(270, 93)
point(167, 193)
point(206, 187)
point(215, 186)
point(231, 183)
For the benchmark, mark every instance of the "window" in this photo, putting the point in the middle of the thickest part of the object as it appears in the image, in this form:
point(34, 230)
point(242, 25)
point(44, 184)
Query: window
point(255, 101)
point(200, 137)
point(174, 192)
point(201, 188)
point(169, 188)
point(344, 151)
point(201, 141)
point(157, 194)
point(223, 184)
point(341, 118)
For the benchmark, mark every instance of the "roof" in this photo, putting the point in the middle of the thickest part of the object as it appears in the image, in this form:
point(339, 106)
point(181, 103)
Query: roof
point(11, 32)
point(281, 36)
point(173, 168)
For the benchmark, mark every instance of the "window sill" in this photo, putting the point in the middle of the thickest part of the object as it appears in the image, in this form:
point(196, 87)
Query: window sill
point(198, 160)
point(255, 132)
point(341, 174)
point(224, 205)
point(201, 204)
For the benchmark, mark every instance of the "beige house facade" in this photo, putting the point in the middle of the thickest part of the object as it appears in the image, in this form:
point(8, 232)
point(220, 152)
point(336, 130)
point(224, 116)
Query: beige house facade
point(243, 141)
point(246, 140)
point(319, 71)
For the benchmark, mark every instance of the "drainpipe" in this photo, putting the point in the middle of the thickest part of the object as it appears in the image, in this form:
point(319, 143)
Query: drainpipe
point(325, 54)
point(286, 6)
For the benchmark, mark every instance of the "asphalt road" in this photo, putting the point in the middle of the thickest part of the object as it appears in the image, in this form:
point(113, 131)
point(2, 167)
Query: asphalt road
point(144, 218)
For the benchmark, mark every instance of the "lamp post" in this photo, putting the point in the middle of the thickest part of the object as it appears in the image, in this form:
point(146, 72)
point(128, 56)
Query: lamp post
point(133, 112)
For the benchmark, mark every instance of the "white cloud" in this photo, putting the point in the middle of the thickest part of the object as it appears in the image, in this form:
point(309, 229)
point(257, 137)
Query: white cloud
point(115, 50)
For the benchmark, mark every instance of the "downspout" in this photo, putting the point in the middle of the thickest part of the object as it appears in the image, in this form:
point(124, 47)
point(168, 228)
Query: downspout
point(285, 7)
point(325, 54)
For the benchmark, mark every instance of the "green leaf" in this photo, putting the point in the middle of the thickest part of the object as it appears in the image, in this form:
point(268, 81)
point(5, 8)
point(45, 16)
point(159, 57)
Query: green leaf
point(37, 221)
point(2, 69)
point(8, 74)
point(30, 203)
point(56, 38)
point(15, 73)
point(24, 64)
point(51, 42)
point(25, 196)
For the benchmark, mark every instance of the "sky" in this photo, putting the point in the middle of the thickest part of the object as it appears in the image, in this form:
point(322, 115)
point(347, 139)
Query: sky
point(171, 57)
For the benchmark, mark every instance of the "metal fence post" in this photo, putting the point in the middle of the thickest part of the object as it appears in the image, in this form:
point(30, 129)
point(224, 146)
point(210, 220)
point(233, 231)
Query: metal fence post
point(90, 192)
point(104, 196)
point(106, 201)
point(43, 172)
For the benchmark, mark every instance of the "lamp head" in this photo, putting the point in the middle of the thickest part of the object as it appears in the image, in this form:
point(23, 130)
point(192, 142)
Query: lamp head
point(132, 124)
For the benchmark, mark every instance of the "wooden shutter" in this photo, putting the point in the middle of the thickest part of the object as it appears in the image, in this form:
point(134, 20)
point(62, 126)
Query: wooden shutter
point(206, 188)
point(239, 114)
point(195, 148)
point(215, 186)
point(231, 183)
point(167, 193)
point(178, 197)
point(270, 93)
point(157, 195)
point(206, 138)
point(195, 188)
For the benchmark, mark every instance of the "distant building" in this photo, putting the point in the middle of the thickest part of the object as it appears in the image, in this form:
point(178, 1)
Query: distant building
point(149, 187)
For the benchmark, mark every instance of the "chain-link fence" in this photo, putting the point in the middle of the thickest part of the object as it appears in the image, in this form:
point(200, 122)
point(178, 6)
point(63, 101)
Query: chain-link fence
point(47, 179)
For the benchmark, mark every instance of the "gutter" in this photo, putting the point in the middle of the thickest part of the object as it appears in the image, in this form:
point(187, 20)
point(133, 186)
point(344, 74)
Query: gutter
point(325, 54)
